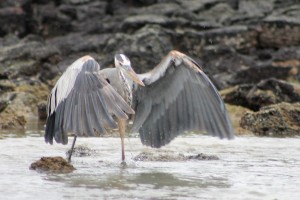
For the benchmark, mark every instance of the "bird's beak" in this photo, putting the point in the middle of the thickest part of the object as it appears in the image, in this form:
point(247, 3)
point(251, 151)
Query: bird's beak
point(134, 77)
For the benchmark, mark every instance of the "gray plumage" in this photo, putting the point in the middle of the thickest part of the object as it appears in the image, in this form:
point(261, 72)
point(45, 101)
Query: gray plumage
point(83, 102)
point(177, 97)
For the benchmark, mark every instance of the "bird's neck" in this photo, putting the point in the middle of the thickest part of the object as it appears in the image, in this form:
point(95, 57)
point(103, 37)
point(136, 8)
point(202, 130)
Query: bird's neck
point(127, 88)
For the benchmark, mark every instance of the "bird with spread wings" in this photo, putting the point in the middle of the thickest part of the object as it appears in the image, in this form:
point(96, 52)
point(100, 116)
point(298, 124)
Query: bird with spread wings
point(174, 97)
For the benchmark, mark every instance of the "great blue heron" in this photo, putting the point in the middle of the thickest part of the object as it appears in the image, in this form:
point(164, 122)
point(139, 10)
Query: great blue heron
point(173, 97)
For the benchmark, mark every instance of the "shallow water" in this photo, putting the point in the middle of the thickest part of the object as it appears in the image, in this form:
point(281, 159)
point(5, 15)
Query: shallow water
point(248, 168)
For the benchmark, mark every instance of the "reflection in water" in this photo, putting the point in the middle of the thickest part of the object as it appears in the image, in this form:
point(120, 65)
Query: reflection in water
point(34, 128)
point(159, 180)
point(125, 181)
point(248, 168)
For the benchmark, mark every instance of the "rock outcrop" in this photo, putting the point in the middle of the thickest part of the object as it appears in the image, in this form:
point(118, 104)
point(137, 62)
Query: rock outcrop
point(280, 120)
point(266, 92)
point(250, 49)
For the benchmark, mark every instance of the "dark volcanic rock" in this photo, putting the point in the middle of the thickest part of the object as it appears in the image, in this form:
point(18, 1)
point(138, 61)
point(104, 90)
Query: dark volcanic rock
point(145, 48)
point(272, 91)
point(256, 9)
point(222, 62)
point(48, 21)
point(165, 9)
point(237, 95)
point(229, 67)
point(198, 6)
point(287, 54)
point(16, 17)
point(219, 13)
point(266, 92)
point(238, 37)
point(278, 120)
point(272, 36)
point(260, 72)
point(281, 29)
point(84, 43)
point(87, 17)
point(24, 58)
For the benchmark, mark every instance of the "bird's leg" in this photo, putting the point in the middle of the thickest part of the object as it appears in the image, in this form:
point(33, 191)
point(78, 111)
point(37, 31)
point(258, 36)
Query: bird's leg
point(72, 148)
point(122, 128)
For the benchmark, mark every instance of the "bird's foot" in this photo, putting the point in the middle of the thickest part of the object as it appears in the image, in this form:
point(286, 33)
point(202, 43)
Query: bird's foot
point(123, 163)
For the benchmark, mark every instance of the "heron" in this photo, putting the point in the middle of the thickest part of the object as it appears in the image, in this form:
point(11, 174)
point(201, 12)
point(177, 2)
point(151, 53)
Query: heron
point(174, 97)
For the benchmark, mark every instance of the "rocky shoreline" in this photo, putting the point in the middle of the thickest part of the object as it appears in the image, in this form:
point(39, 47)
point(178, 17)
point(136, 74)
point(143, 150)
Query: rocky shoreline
point(250, 49)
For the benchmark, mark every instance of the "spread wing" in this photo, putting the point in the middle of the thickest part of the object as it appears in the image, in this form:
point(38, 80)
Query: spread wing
point(82, 102)
point(178, 97)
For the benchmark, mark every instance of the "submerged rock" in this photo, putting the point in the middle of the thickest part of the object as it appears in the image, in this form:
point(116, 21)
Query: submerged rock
point(52, 164)
point(170, 157)
point(202, 156)
point(278, 120)
point(81, 151)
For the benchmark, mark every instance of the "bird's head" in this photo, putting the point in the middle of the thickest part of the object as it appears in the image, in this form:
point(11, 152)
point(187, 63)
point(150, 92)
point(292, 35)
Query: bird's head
point(122, 63)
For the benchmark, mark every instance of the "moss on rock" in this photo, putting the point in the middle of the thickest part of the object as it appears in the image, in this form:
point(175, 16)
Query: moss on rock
point(52, 164)
point(278, 120)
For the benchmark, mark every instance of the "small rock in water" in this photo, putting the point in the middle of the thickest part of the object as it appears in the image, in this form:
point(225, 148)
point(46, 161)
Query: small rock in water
point(202, 156)
point(169, 157)
point(164, 157)
point(81, 151)
point(52, 164)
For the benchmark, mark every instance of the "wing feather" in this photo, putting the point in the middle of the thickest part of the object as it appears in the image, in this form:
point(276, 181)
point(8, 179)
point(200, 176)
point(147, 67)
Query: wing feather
point(83, 102)
point(178, 97)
